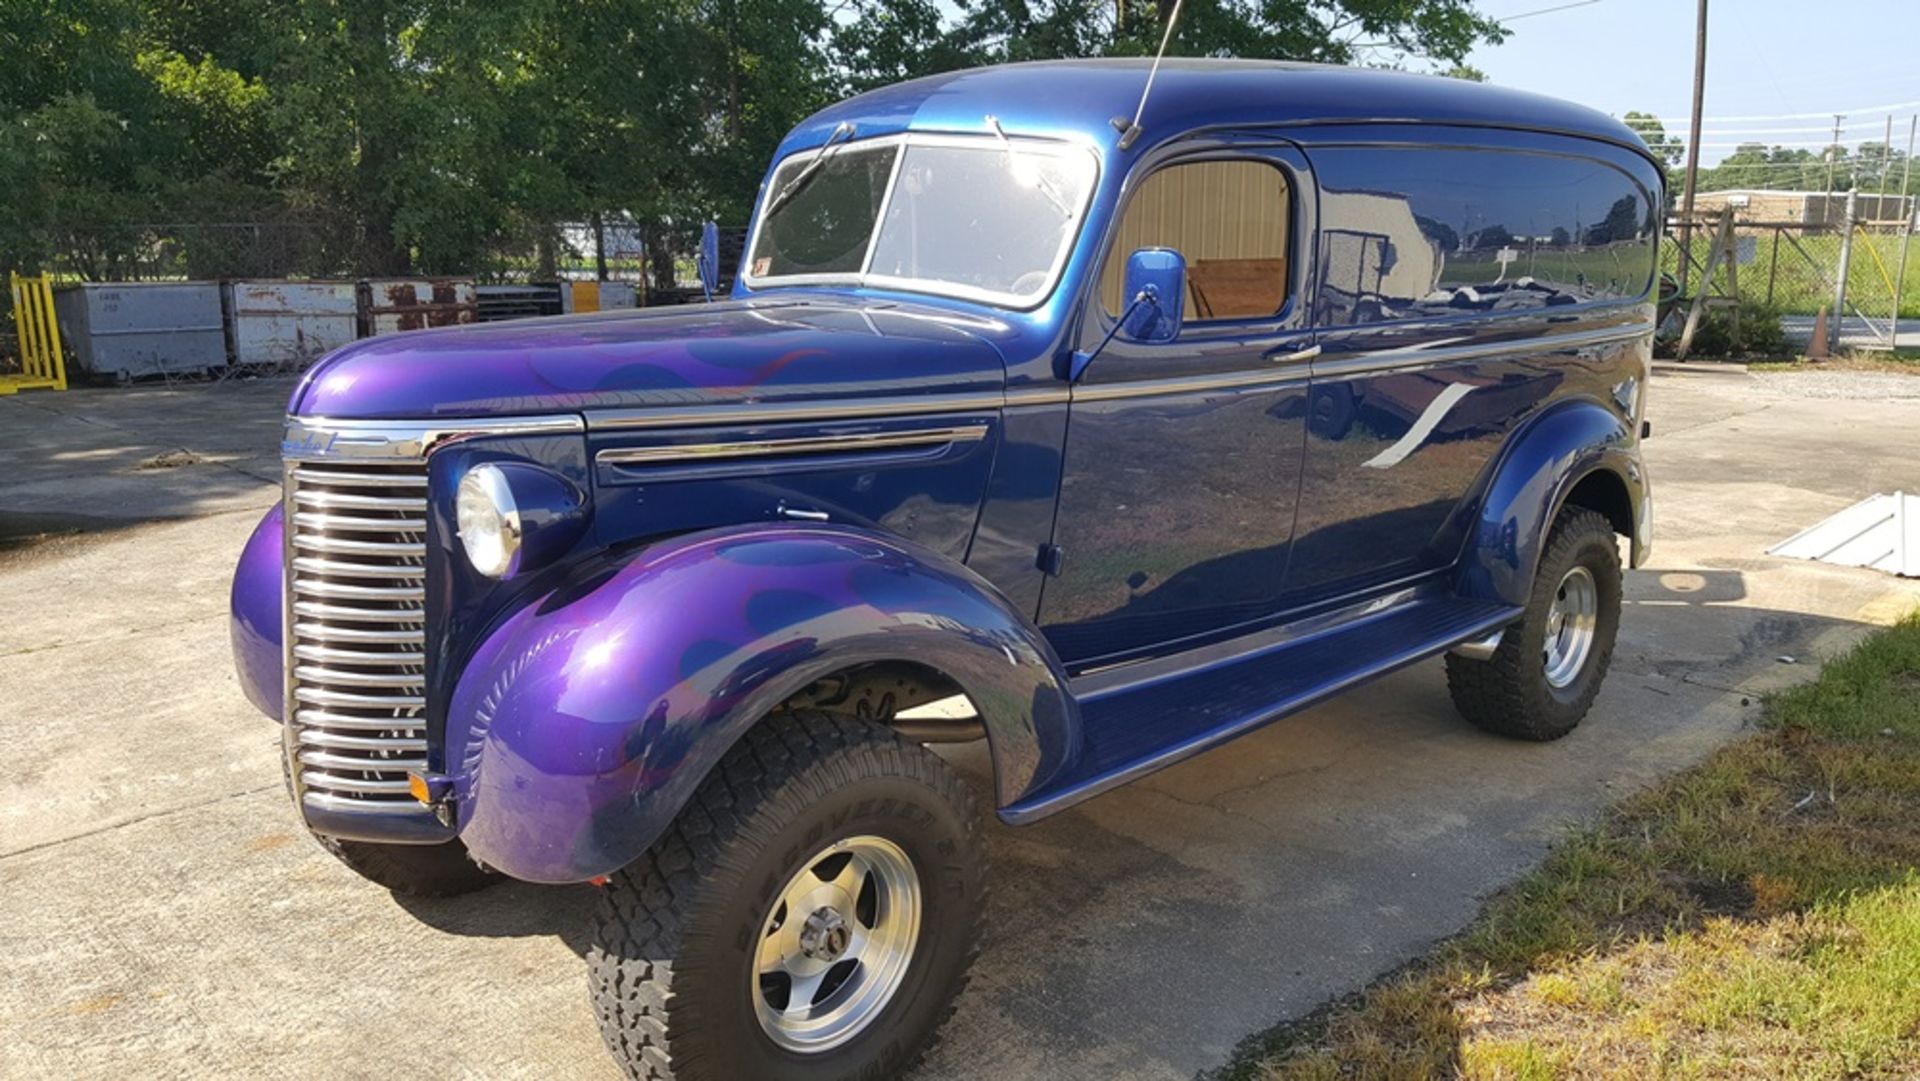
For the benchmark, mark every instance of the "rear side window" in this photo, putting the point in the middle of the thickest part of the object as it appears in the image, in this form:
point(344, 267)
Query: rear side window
point(1416, 232)
point(1231, 220)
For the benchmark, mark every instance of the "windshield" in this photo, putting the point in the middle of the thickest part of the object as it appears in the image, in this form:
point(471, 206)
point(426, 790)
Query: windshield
point(985, 218)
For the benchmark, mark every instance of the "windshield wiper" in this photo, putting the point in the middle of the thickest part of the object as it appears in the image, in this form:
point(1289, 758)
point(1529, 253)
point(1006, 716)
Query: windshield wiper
point(1040, 180)
point(827, 150)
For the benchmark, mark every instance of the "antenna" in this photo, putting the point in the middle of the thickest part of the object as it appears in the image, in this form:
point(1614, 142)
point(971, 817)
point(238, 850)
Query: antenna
point(1130, 130)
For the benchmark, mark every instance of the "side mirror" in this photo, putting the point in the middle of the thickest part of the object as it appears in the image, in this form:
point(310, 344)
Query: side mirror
point(708, 261)
point(1155, 292)
point(1155, 288)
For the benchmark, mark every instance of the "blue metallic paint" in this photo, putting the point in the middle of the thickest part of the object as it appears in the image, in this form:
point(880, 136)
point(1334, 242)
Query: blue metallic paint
point(593, 719)
point(807, 345)
point(1157, 277)
point(577, 721)
point(1538, 467)
point(255, 603)
point(553, 512)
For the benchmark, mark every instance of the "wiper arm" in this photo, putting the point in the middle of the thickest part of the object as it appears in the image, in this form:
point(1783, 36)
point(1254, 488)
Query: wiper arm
point(827, 150)
point(1046, 187)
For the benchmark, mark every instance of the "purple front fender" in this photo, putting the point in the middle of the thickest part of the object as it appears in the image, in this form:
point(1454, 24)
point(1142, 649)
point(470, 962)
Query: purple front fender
point(255, 627)
point(587, 719)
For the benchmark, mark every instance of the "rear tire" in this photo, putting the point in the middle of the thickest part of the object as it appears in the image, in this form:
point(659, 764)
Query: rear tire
point(1542, 680)
point(805, 805)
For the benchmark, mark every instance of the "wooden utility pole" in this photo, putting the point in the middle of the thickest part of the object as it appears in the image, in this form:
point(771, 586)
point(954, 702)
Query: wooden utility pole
point(1833, 159)
point(1693, 147)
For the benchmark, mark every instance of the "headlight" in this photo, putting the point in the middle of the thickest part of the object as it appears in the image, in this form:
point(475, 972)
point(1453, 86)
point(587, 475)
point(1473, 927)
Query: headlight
point(489, 521)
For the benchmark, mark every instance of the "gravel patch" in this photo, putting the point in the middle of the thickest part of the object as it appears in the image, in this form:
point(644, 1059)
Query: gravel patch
point(1859, 386)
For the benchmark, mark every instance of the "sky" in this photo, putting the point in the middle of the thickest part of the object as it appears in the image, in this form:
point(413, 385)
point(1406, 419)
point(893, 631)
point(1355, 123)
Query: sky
point(1769, 62)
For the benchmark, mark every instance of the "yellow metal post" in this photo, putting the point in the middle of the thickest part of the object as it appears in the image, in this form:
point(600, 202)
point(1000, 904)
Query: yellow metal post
point(43, 365)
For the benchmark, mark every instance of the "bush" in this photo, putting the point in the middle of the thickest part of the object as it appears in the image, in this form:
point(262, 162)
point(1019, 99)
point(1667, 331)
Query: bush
point(1760, 332)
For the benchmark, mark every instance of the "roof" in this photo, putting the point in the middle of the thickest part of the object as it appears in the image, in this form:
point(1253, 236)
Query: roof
point(1081, 97)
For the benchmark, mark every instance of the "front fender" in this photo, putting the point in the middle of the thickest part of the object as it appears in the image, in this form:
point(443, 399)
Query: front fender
point(1541, 465)
point(254, 625)
point(585, 721)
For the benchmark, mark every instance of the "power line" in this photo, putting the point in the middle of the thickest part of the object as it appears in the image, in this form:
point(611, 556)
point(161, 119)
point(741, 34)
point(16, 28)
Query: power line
point(1546, 11)
point(1895, 107)
point(1711, 131)
point(1789, 143)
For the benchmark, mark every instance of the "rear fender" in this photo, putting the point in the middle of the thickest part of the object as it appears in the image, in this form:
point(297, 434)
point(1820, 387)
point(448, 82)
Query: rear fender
point(586, 720)
point(1542, 463)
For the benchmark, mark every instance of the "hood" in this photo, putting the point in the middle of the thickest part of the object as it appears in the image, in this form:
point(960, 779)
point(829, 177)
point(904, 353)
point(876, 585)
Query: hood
point(766, 349)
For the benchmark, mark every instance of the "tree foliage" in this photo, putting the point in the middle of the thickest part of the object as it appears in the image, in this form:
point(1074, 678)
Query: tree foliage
point(1758, 166)
point(419, 135)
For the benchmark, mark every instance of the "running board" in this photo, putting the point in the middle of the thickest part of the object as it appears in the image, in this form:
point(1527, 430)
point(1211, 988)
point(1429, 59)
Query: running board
point(1130, 728)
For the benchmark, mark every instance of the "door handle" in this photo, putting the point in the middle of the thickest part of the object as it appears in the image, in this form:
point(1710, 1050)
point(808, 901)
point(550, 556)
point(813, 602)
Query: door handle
point(1308, 353)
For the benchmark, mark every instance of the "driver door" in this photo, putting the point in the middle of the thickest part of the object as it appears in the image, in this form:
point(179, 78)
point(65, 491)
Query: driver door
point(1182, 463)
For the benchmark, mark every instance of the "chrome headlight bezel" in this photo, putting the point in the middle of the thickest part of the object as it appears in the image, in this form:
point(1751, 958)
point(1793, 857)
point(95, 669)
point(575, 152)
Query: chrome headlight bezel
point(487, 520)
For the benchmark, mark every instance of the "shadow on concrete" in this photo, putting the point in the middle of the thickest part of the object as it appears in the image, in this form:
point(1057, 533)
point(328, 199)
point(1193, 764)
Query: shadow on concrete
point(101, 460)
point(512, 910)
point(1165, 921)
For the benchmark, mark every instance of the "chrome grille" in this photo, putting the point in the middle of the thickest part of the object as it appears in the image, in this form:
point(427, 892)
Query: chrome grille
point(356, 656)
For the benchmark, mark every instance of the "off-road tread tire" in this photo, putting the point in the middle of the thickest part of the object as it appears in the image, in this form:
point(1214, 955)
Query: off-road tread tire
point(650, 908)
point(443, 870)
point(1508, 694)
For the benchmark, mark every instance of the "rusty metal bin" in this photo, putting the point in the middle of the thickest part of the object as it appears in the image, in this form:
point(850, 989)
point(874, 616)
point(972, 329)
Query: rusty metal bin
point(618, 295)
point(288, 323)
point(596, 296)
point(519, 301)
point(123, 330)
point(390, 304)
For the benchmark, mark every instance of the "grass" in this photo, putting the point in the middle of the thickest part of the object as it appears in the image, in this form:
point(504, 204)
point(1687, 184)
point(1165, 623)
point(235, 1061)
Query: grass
point(1800, 289)
point(1900, 362)
point(1756, 916)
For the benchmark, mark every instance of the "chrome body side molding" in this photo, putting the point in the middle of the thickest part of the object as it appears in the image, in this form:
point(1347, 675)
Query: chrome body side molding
point(685, 453)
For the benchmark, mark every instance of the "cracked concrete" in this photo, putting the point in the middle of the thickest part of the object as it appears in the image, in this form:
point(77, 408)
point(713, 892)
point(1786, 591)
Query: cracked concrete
point(161, 911)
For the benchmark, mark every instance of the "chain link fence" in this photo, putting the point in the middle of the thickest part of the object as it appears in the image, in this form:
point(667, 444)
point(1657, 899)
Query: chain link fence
point(661, 254)
point(1791, 268)
point(1790, 271)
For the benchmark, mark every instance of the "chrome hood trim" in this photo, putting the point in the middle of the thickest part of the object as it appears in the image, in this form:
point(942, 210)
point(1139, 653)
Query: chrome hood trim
point(324, 438)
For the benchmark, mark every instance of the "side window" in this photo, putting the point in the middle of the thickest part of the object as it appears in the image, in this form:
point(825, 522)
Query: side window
point(1414, 232)
point(1230, 219)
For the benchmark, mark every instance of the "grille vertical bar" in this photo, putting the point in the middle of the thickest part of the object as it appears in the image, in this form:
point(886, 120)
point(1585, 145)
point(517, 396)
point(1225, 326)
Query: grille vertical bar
point(356, 642)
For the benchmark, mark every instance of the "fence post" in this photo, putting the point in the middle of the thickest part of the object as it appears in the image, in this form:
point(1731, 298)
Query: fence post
point(1840, 279)
point(1773, 265)
point(1906, 232)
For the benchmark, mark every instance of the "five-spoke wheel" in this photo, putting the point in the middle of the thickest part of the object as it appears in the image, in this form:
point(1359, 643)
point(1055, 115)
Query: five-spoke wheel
point(837, 943)
point(1543, 677)
point(811, 916)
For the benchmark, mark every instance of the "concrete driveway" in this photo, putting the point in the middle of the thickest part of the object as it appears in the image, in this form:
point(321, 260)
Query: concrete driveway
point(162, 912)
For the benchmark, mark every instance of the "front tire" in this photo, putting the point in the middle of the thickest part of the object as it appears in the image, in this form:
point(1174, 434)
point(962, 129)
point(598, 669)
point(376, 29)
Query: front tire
point(1542, 680)
point(704, 964)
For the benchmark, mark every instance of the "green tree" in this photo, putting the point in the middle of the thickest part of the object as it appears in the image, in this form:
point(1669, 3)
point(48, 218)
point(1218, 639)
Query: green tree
point(422, 135)
point(1667, 148)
